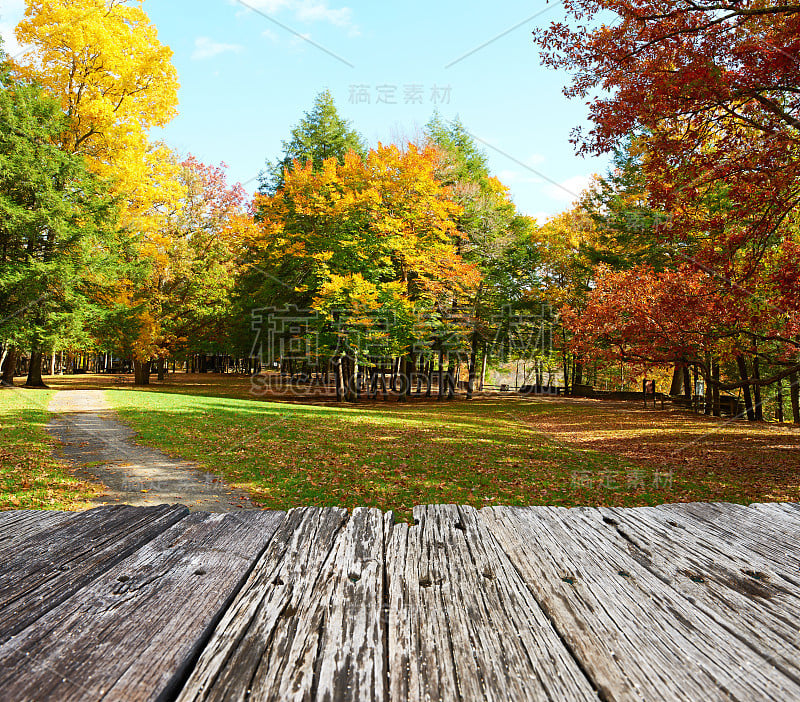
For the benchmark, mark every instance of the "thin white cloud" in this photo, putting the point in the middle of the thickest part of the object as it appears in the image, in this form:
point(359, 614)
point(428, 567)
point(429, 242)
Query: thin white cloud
point(308, 11)
point(568, 190)
point(10, 44)
point(11, 13)
point(299, 40)
point(510, 176)
point(320, 12)
point(205, 48)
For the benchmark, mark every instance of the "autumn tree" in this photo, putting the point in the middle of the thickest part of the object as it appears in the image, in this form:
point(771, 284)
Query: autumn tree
point(492, 236)
point(55, 222)
point(320, 135)
point(381, 226)
point(102, 61)
point(566, 276)
point(690, 74)
point(707, 91)
point(204, 239)
point(628, 230)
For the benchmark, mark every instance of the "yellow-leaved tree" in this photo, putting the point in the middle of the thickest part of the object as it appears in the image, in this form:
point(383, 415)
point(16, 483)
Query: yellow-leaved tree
point(373, 236)
point(102, 60)
point(566, 273)
point(114, 79)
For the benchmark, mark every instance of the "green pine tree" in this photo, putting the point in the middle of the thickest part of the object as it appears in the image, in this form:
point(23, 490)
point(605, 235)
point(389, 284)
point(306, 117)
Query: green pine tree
point(320, 135)
point(54, 217)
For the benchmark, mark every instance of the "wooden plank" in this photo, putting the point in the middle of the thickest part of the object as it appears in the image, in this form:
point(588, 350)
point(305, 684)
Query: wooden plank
point(778, 553)
point(133, 633)
point(462, 623)
point(739, 591)
point(49, 567)
point(351, 653)
point(307, 624)
point(770, 536)
point(17, 526)
point(636, 636)
point(786, 509)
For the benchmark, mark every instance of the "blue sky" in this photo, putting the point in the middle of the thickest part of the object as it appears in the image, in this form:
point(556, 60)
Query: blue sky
point(249, 70)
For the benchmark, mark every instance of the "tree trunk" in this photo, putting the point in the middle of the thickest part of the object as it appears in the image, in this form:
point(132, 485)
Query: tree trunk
point(337, 378)
point(349, 379)
point(451, 376)
point(35, 371)
point(483, 366)
point(441, 375)
point(687, 383)
point(708, 408)
point(473, 358)
point(430, 377)
point(403, 379)
point(372, 383)
point(677, 380)
point(758, 408)
point(779, 401)
point(716, 409)
point(9, 366)
point(748, 402)
point(794, 394)
point(141, 372)
point(162, 368)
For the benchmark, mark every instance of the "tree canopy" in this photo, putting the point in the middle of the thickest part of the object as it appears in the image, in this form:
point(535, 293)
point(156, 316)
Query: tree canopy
point(56, 219)
point(320, 135)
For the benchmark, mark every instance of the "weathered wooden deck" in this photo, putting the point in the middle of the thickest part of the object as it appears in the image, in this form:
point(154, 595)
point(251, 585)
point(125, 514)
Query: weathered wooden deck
point(680, 602)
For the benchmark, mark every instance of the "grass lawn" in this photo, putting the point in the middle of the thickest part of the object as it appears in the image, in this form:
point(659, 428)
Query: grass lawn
point(507, 450)
point(31, 477)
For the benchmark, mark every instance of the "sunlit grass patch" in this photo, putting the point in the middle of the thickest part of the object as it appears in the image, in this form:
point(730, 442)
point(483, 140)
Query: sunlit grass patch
point(390, 456)
point(31, 477)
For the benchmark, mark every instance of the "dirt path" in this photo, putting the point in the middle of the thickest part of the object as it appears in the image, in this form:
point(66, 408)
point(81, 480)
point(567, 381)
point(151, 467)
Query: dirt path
point(101, 448)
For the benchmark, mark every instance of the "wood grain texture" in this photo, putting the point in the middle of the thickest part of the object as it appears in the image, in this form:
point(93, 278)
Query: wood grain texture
point(307, 624)
point(678, 602)
point(771, 535)
point(741, 592)
point(133, 632)
point(452, 591)
point(50, 566)
point(785, 509)
point(635, 635)
point(17, 526)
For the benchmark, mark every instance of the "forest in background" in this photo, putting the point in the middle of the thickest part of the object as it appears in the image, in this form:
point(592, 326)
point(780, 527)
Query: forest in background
point(412, 258)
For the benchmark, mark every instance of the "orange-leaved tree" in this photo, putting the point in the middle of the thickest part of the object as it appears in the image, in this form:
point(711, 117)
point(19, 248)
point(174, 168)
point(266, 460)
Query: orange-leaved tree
point(385, 220)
